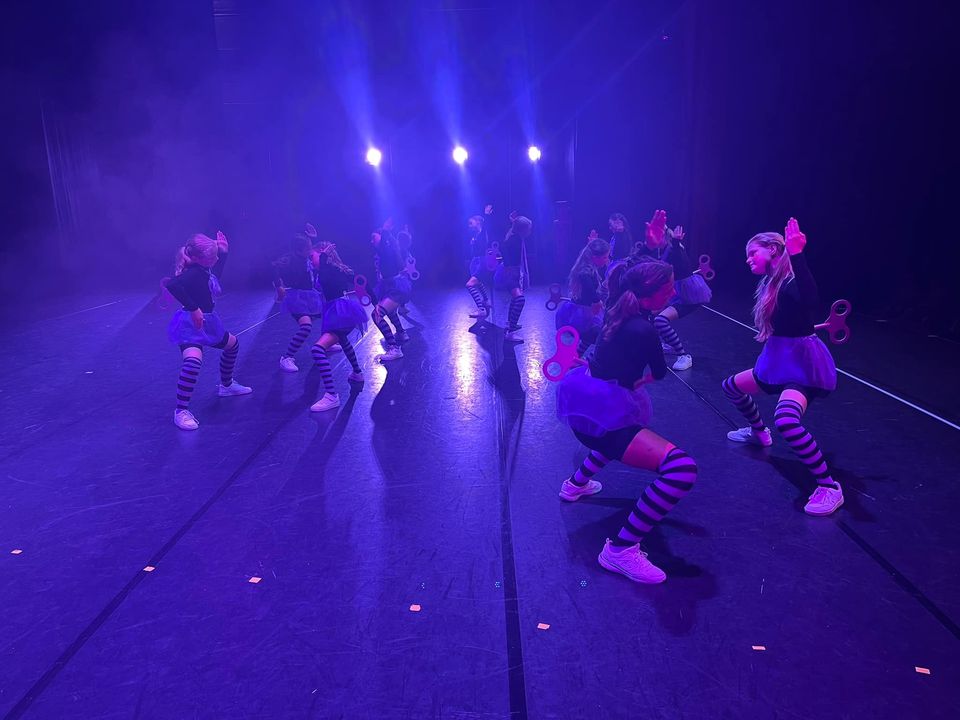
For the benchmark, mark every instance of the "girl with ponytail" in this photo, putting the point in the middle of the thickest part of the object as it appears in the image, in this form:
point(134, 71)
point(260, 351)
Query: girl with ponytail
point(794, 363)
point(584, 309)
point(608, 409)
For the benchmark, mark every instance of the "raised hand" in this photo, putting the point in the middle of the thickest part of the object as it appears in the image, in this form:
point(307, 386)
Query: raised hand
point(222, 244)
point(311, 231)
point(488, 210)
point(388, 224)
point(677, 233)
point(657, 227)
point(593, 235)
point(513, 215)
point(795, 239)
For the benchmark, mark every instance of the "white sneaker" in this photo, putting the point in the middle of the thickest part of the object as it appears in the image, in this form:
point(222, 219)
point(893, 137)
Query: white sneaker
point(335, 348)
point(480, 314)
point(631, 562)
point(232, 389)
point(513, 336)
point(288, 364)
point(825, 500)
point(327, 402)
point(185, 420)
point(747, 435)
point(356, 377)
point(684, 362)
point(571, 492)
point(393, 353)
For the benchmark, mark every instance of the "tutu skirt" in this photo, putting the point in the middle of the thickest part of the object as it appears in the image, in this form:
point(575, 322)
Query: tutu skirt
point(343, 315)
point(182, 331)
point(507, 277)
point(302, 302)
point(692, 290)
point(397, 288)
point(582, 318)
point(802, 361)
point(596, 407)
point(476, 267)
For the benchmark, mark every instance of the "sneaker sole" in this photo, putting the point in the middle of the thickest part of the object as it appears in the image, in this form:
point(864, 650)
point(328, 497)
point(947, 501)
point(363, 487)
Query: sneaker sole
point(574, 498)
point(332, 407)
point(756, 443)
point(619, 571)
point(825, 514)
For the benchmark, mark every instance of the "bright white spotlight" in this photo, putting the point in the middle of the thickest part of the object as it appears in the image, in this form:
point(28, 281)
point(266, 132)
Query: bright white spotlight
point(460, 155)
point(374, 157)
point(533, 152)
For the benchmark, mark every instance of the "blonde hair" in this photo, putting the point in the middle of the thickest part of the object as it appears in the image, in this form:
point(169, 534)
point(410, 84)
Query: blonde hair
point(781, 271)
point(198, 247)
point(642, 280)
point(585, 265)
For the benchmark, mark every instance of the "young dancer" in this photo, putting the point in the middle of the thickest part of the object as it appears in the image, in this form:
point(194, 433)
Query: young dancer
point(341, 315)
point(195, 285)
point(794, 363)
point(584, 309)
point(295, 275)
point(608, 410)
point(691, 290)
point(478, 245)
point(392, 290)
point(513, 274)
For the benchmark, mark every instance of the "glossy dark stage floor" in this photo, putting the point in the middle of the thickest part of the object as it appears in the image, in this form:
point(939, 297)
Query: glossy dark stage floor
point(436, 487)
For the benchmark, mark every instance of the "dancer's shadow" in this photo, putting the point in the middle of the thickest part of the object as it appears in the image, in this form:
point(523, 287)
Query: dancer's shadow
point(854, 485)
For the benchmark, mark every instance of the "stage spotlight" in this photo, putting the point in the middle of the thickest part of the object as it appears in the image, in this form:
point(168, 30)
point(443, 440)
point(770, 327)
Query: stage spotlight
point(460, 155)
point(374, 157)
point(533, 152)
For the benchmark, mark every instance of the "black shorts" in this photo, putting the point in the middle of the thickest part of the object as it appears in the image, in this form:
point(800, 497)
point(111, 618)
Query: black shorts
point(219, 346)
point(810, 393)
point(683, 309)
point(612, 445)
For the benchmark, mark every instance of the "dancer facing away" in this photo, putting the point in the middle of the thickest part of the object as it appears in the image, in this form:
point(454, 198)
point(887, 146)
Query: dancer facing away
point(621, 239)
point(295, 279)
point(195, 326)
point(608, 410)
point(690, 289)
point(479, 271)
point(341, 315)
point(392, 290)
point(513, 274)
point(584, 309)
point(794, 363)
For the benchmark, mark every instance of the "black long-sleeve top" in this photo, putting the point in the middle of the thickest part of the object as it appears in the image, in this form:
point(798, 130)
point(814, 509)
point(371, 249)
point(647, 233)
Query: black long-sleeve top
point(294, 271)
point(191, 287)
point(510, 249)
point(389, 257)
point(674, 253)
point(589, 289)
point(333, 281)
point(625, 357)
point(796, 301)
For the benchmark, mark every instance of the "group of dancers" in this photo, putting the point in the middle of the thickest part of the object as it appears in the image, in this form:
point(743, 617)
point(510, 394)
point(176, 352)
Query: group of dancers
point(625, 309)
point(622, 308)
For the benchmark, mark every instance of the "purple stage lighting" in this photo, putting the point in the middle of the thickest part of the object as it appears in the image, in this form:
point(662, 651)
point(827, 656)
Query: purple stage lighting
point(460, 155)
point(533, 152)
point(374, 157)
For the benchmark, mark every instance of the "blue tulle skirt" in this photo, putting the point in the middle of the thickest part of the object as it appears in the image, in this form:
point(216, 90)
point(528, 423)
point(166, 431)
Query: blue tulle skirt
point(182, 331)
point(302, 302)
point(692, 290)
point(343, 315)
point(582, 318)
point(802, 361)
point(397, 288)
point(595, 407)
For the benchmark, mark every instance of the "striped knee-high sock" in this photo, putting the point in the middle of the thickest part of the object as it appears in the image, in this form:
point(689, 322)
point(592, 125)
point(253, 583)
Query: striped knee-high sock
point(228, 361)
point(349, 352)
point(744, 403)
point(516, 307)
point(379, 317)
point(594, 463)
point(323, 364)
point(479, 295)
point(298, 339)
point(668, 335)
point(187, 382)
point(787, 419)
point(677, 473)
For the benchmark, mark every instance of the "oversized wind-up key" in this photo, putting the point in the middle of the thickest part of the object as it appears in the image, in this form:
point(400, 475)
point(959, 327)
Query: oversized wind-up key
point(555, 297)
point(360, 288)
point(705, 269)
point(411, 268)
point(493, 256)
point(566, 358)
point(836, 323)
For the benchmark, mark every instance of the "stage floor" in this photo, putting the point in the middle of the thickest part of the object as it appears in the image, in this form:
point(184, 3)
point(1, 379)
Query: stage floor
point(435, 486)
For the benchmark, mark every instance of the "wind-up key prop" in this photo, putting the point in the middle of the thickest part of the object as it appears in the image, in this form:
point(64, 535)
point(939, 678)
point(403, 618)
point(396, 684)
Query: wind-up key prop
point(566, 358)
point(360, 289)
point(555, 297)
point(493, 256)
point(705, 269)
point(836, 323)
point(411, 268)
